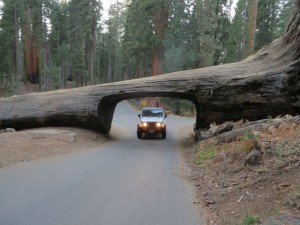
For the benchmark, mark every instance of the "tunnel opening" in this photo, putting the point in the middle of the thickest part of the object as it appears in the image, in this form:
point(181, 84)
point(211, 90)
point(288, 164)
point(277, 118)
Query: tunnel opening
point(172, 106)
point(107, 106)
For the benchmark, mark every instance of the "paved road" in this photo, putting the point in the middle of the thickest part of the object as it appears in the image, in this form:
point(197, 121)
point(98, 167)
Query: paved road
point(124, 182)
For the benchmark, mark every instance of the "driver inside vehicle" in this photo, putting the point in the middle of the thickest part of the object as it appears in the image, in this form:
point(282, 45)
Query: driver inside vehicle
point(152, 113)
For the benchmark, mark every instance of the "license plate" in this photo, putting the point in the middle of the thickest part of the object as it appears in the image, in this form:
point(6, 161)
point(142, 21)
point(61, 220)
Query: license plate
point(151, 131)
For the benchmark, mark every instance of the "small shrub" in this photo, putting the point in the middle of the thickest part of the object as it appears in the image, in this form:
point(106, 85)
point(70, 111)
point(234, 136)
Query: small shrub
point(250, 135)
point(250, 220)
point(207, 152)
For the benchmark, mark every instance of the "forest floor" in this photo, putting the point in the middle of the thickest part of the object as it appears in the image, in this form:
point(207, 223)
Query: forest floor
point(232, 190)
point(26, 145)
point(229, 191)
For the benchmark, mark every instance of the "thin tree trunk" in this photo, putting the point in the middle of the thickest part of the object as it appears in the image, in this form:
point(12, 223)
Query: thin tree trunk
point(251, 27)
point(92, 62)
point(82, 80)
point(92, 80)
point(19, 67)
point(109, 70)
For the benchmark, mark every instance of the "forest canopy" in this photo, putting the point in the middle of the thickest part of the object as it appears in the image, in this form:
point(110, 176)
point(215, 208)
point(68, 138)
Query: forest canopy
point(58, 44)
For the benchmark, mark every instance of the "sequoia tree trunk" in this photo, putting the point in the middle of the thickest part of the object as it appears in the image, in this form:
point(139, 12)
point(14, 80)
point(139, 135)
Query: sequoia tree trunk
point(156, 62)
point(251, 26)
point(160, 19)
point(31, 49)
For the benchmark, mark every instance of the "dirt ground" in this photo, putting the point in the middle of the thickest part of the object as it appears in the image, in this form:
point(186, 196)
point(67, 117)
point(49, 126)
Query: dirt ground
point(232, 192)
point(26, 145)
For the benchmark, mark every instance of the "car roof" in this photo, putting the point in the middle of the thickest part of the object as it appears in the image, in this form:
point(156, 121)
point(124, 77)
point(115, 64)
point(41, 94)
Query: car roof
point(150, 108)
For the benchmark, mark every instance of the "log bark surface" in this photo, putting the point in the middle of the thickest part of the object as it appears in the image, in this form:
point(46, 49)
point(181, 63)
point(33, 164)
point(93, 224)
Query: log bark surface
point(265, 84)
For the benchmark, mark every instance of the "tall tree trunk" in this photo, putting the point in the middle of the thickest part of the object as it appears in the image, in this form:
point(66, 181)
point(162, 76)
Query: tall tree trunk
point(109, 70)
point(28, 44)
point(156, 62)
point(35, 60)
point(19, 64)
point(92, 79)
point(91, 60)
point(251, 26)
point(31, 49)
point(83, 64)
point(160, 24)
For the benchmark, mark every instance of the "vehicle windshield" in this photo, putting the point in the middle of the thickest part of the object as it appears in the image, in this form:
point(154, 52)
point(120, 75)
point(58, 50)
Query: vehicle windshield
point(152, 113)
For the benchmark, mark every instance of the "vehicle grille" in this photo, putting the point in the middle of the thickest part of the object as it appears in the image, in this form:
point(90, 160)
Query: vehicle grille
point(152, 125)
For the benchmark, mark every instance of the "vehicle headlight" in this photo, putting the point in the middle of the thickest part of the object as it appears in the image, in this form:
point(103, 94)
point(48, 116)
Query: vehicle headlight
point(158, 124)
point(145, 124)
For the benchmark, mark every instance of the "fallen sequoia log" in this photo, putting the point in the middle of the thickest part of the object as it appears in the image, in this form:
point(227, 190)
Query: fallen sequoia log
point(265, 84)
point(226, 132)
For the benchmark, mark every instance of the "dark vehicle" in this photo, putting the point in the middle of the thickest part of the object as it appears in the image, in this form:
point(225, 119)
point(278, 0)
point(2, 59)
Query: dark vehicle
point(152, 122)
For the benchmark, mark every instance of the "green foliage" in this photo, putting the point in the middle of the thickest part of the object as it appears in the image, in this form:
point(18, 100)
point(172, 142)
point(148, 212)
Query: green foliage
point(56, 77)
point(180, 107)
point(208, 152)
point(272, 19)
point(12, 88)
point(238, 33)
point(115, 26)
point(9, 25)
point(250, 220)
point(88, 49)
point(284, 16)
point(250, 135)
point(178, 54)
point(246, 142)
point(58, 36)
point(140, 37)
point(136, 43)
point(82, 35)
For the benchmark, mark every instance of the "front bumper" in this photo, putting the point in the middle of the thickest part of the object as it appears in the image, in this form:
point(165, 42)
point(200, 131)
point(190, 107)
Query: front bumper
point(151, 128)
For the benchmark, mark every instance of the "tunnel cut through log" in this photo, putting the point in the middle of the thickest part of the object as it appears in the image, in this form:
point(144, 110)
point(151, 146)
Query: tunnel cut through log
point(108, 104)
point(88, 107)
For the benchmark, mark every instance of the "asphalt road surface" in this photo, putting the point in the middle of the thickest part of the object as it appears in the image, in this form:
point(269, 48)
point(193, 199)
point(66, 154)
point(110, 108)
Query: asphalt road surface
point(124, 182)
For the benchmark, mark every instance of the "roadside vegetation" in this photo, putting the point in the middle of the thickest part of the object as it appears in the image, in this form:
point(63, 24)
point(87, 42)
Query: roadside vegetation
point(172, 106)
point(249, 174)
point(250, 220)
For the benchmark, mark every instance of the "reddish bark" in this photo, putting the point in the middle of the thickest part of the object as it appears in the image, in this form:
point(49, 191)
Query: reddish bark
point(160, 24)
point(31, 50)
point(156, 62)
point(28, 44)
point(251, 26)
